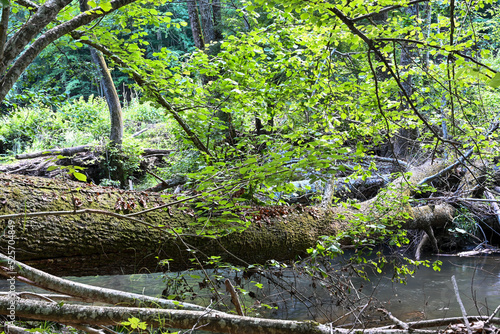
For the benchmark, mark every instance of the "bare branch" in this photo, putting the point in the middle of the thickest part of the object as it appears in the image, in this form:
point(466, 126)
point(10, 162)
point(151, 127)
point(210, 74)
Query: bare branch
point(12, 268)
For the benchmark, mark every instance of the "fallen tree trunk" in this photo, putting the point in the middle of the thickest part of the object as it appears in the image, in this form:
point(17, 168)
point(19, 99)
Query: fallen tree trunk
point(104, 242)
point(14, 269)
point(209, 320)
point(68, 151)
point(57, 151)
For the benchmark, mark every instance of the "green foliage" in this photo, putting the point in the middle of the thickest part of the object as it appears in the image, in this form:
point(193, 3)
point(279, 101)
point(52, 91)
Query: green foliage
point(76, 122)
point(28, 127)
point(135, 324)
point(70, 169)
point(122, 162)
point(464, 225)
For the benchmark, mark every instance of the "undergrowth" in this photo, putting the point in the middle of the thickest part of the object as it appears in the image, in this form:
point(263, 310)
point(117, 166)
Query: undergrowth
point(77, 122)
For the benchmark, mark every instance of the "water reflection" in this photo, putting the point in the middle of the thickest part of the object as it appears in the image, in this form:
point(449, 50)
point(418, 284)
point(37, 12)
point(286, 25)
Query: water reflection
point(428, 295)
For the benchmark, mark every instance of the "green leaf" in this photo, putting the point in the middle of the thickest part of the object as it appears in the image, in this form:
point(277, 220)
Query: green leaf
point(106, 6)
point(4, 2)
point(495, 82)
point(80, 176)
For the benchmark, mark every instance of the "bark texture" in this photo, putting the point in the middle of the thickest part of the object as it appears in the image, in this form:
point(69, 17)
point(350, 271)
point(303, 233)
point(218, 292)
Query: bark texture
point(206, 320)
point(194, 19)
point(97, 243)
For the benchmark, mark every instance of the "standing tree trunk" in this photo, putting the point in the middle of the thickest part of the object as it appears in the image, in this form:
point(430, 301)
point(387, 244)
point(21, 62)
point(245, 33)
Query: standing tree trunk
point(403, 143)
point(207, 21)
point(111, 95)
point(115, 109)
point(194, 19)
point(216, 8)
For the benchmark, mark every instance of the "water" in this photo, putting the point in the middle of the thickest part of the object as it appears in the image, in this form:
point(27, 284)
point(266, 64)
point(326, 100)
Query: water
point(428, 295)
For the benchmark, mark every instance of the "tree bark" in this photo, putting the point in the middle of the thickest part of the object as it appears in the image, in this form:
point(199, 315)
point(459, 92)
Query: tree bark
point(79, 244)
point(68, 151)
point(207, 22)
point(115, 109)
point(87, 293)
point(207, 320)
point(4, 26)
point(194, 19)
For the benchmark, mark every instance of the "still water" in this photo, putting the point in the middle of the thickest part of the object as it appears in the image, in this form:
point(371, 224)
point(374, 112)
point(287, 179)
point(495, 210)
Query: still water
point(429, 294)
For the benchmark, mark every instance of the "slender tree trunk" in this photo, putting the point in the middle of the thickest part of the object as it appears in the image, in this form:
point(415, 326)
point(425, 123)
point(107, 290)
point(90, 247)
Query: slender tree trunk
point(4, 25)
point(207, 22)
point(404, 142)
point(194, 19)
point(217, 10)
point(111, 95)
point(115, 109)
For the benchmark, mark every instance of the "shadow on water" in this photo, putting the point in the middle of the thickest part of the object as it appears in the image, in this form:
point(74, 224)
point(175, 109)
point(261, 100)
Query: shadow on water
point(429, 294)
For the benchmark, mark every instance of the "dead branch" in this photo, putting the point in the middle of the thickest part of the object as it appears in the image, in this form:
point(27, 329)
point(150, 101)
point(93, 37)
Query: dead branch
point(462, 308)
point(398, 322)
point(12, 329)
point(183, 319)
point(234, 297)
point(12, 268)
point(166, 184)
point(57, 151)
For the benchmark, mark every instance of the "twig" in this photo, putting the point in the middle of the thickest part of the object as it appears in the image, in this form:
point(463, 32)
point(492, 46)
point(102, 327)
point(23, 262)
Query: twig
point(492, 315)
point(157, 177)
point(181, 200)
point(493, 204)
point(138, 133)
point(462, 308)
point(234, 297)
point(459, 161)
point(386, 9)
point(400, 323)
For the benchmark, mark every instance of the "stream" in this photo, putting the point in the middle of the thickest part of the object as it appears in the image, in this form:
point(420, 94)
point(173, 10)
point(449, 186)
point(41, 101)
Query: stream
point(428, 295)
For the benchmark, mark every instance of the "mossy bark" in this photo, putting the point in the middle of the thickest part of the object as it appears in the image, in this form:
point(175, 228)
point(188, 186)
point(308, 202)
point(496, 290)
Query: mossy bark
point(97, 244)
